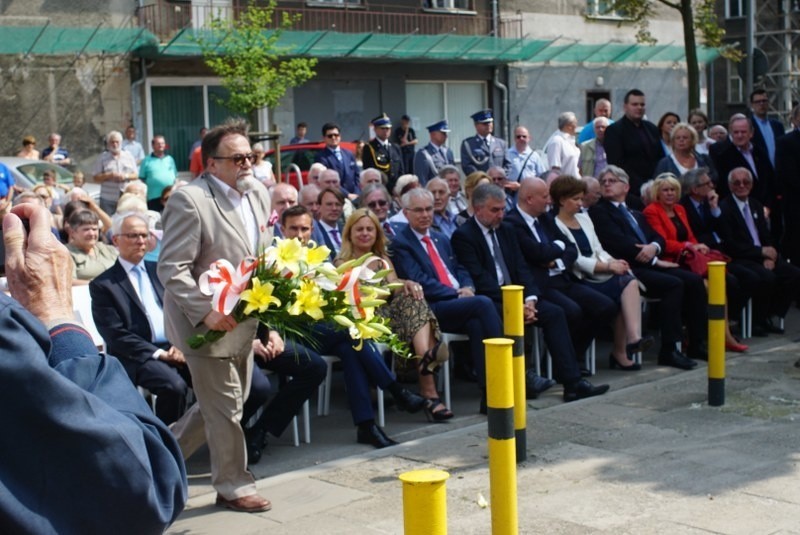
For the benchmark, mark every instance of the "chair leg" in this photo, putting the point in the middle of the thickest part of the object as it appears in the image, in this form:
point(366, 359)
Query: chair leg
point(381, 411)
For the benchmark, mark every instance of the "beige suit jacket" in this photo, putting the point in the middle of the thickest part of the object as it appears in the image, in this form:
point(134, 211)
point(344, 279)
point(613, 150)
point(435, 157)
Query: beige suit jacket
point(588, 152)
point(202, 226)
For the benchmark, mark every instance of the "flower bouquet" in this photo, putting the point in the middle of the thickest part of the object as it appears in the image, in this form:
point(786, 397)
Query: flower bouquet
point(290, 286)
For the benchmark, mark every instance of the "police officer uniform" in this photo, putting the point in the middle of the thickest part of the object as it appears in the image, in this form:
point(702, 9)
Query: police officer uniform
point(478, 153)
point(431, 158)
point(383, 156)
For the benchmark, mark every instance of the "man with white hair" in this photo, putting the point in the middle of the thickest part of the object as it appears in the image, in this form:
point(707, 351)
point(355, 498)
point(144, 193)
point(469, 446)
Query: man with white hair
point(593, 159)
point(314, 171)
point(602, 108)
point(370, 176)
point(562, 152)
point(114, 168)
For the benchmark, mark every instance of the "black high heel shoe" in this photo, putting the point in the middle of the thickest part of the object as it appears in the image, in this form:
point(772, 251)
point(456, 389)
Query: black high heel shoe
point(439, 416)
point(433, 358)
point(640, 346)
point(614, 364)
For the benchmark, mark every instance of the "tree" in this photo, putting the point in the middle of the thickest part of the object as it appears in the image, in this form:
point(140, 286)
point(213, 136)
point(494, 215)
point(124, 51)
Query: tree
point(245, 54)
point(699, 20)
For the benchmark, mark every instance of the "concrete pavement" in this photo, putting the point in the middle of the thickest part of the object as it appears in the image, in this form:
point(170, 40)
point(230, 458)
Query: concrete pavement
point(649, 457)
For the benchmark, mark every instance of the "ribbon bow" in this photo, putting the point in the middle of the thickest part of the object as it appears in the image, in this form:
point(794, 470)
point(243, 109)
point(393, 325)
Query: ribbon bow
point(226, 284)
point(351, 287)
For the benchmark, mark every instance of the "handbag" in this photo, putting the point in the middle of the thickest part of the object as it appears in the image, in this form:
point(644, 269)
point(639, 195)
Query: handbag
point(697, 262)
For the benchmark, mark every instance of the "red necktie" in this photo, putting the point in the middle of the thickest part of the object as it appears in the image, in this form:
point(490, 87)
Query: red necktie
point(438, 265)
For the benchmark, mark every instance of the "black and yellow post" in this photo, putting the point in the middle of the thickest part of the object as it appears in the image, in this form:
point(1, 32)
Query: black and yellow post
point(514, 327)
point(425, 502)
point(502, 465)
point(716, 334)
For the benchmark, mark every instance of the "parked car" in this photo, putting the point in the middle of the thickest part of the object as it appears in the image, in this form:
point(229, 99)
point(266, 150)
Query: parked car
point(28, 173)
point(302, 156)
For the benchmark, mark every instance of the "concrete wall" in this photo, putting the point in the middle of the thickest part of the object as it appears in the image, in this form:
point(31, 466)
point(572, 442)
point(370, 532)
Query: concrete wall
point(80, 98)
point(539, 94)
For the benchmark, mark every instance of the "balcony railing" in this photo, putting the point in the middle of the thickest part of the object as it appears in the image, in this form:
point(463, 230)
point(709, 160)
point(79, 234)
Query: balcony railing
point(165, 18)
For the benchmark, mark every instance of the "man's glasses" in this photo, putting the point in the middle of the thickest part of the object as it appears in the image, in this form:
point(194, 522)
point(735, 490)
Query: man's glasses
point(238, 159)
point(422, 210)
point(761, 101)
point(136, 236)
point(330, 136)
point(708, 184)
point(375, 204)
point(741, 182)
point(609, 181)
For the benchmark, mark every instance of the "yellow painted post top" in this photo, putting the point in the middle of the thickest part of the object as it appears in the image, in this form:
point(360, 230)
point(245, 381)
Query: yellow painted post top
point(513, 320)
point(498, 342)
point(422, 477)
point(716, 283)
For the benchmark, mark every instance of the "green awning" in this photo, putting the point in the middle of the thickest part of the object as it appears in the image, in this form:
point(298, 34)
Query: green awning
point(451, 48)
point(56, 41)
point(472, 49)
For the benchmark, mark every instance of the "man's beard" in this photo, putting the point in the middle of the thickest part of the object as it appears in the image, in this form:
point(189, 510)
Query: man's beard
point(245, 183)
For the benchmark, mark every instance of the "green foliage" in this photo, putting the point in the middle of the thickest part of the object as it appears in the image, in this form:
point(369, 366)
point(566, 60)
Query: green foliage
point(700, 14)
point(245, 55)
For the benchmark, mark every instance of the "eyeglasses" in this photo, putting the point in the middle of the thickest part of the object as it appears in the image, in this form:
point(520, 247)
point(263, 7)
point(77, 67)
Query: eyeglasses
point(706, 184)
point(238, 159)
point(761, 101)
point(421, 210)
point(609, 181)
point(332, 135)
point(741, 182)
point(136, 235)
point(375, 204)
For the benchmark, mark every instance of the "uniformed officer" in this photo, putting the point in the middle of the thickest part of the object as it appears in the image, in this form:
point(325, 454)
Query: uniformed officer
point(382, 154)
point(482, 151)
point(435, 154)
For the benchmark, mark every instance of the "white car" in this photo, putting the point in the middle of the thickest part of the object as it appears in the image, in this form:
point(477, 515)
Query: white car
point(28, 173)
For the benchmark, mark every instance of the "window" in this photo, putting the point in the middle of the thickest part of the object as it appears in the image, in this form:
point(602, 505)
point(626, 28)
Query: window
point(735, 9)
point(334, 2)
point(449, 5)
point(454, 101)
point(603, 9)
point(735, 83)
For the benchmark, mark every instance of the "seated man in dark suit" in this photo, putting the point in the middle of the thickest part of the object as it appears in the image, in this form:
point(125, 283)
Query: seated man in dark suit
point(491, 254)
point(127, 310)
point(331, 204)
point(747, 240)
point(625, 234)
point(126, 306)
point(701, 202)
point(549, 256)
point(425, 256)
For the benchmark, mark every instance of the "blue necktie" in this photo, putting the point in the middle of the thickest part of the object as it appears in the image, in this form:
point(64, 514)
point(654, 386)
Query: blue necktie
point(151, 305)
point(633, 223)
point(543, 239)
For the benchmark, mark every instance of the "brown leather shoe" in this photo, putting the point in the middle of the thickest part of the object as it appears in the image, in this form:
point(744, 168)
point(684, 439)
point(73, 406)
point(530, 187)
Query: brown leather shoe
point(245, 504)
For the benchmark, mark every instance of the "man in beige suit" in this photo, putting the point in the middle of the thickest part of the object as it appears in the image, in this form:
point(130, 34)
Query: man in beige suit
point(221, 214)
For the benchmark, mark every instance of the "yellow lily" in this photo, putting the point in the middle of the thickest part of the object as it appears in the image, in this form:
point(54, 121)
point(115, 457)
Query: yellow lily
point(259, 297)
point(318, 255)
point(308, 299)
point(288, 254)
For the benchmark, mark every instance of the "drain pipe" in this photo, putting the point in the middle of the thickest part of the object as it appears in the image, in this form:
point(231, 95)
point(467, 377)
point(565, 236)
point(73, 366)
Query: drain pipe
point(503, 104)
point(496, 79)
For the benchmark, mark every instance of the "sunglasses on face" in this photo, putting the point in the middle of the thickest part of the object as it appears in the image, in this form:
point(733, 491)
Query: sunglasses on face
point(238, 159)
point(375, 204)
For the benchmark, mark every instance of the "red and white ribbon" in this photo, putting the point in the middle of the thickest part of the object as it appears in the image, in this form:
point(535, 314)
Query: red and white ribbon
point(350, 283)
point(225, 284)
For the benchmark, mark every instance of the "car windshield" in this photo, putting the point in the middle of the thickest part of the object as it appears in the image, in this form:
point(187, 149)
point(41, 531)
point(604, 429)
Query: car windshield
point(33, 171)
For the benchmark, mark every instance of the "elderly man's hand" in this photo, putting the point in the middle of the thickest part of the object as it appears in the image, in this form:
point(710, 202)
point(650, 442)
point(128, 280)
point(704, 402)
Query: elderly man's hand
point(38, 267)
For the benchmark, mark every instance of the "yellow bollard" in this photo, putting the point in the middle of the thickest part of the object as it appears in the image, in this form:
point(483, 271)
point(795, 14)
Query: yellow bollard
point(514, 328)
point(716, 334)
point(425, 502)
point(502, 446)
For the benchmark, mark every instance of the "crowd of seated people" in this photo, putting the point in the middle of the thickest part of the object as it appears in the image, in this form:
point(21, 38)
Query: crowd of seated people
point(587, 250)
